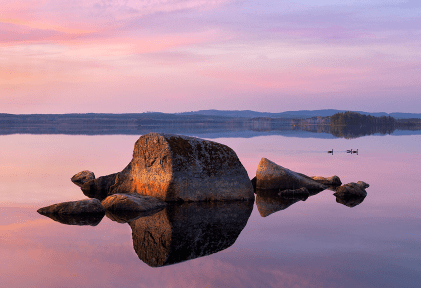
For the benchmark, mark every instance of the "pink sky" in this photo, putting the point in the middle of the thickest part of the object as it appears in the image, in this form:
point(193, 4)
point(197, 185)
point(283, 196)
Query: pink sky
point(174, 55)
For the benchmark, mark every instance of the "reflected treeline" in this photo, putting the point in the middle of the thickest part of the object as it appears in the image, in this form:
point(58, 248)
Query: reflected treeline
point(142, 123)
point(187, 231)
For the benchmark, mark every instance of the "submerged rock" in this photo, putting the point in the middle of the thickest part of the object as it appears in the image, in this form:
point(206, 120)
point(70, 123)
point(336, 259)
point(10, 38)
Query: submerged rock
point(301, 194)
point(88, 206)
point(271, 176)
point(178, 168)
point(187, 231)
point(132, 202)
point(351, 189)
point(329, 181)
point(82, 177)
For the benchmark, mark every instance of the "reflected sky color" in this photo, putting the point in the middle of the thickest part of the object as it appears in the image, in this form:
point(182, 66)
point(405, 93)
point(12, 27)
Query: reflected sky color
point(180, 55)
point(312, 243)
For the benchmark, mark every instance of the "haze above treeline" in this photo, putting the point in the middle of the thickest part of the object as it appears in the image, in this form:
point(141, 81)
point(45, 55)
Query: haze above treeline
point(301, 114)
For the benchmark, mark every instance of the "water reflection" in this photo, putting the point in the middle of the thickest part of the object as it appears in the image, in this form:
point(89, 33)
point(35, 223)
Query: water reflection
point(269, 202)
point(79, 219)
point(187, 231)
point(350, 201)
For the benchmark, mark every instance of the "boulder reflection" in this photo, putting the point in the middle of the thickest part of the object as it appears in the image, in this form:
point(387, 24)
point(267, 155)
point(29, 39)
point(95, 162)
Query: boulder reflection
point(187, 231)
point(269, 202)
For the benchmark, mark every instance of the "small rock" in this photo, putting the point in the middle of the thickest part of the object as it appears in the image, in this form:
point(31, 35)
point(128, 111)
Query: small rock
point(132, 202)
point(99, 188)
point(363, 184)
point(329, 181)
point(91, 206)
point(82, 177)
point(350, 189)
point(271, 176)
point(350, 201)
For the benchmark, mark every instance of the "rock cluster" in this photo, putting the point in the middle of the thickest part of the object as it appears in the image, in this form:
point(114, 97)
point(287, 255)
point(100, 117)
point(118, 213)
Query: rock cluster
point(272, 176)
point(177, 168)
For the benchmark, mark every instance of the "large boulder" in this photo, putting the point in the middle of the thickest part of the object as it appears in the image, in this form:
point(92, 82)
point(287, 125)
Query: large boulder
point(82, 177)
point(178, 168)
point(329, 181)
point(132, 202)
point(351, 189)
point(88, 206)
point(272, 176)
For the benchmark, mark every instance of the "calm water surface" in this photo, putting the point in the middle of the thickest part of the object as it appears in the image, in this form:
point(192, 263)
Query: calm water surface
point(312, 243)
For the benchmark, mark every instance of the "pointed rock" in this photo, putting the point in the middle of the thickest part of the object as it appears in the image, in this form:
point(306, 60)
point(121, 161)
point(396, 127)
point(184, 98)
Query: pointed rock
point(272, 176)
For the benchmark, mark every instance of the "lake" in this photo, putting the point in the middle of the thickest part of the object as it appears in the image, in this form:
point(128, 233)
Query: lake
point(314, 243)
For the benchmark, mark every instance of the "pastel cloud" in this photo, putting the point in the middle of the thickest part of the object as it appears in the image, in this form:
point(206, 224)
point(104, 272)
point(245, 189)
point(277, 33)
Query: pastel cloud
point(180, 50)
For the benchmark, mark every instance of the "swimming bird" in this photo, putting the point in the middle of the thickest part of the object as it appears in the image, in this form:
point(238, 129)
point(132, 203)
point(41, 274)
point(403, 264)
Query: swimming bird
point(330, 151)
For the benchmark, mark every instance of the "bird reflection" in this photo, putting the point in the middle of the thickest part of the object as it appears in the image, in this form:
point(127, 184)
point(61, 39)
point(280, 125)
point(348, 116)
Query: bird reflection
point(187, 231)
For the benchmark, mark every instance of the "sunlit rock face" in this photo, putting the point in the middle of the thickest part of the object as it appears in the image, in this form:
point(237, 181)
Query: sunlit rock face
point(131, 202)
point(83, 212)
point(187, 231)
point(271, 176)
point(178, 168)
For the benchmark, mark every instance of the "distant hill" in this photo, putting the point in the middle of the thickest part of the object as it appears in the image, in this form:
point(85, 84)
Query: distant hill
point(294, 114)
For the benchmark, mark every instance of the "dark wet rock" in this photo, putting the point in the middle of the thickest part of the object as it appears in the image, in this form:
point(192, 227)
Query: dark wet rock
point(83, 212)
point(82, 177)
point(128, 216)
point(363, 184)
point(187, 231)
point(301, 194)
point(329, 181)
point(269, 203)
point(132, 202)
point(350, 189)
point(253, 182)
point(178, 168)
point(88, 206)
point(99, 188)
point(350, 201)
point(271, 176)
point(91, 219)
